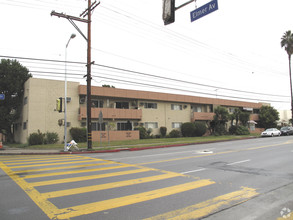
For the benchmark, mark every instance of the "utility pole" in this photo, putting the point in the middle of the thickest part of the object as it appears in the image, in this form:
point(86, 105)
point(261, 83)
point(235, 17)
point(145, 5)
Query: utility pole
point(71, 19)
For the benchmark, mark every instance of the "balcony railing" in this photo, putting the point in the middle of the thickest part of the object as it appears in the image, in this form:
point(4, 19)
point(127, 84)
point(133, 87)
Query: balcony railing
point(202, 116)
point(112, 113)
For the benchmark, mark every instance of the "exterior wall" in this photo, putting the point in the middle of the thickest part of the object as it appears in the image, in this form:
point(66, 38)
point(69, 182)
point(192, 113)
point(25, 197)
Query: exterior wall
point(39, 112)
point(40, 103)
point(285, 116)
point(165, 116)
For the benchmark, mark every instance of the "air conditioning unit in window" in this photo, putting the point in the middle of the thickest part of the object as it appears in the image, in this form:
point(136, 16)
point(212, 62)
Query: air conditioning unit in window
point(68, 99)
point(82, 100)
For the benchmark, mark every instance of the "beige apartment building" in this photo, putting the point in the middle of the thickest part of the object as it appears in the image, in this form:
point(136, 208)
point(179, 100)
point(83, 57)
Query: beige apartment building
point(122, 110)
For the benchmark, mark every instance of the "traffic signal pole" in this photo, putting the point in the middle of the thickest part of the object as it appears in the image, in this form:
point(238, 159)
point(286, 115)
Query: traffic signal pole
point(71, 19)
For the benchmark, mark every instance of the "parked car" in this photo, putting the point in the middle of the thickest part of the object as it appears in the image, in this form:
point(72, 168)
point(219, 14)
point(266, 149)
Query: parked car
point(270, 132)
point(287, 131)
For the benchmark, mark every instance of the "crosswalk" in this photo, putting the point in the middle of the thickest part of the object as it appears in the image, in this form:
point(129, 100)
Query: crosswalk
point(71, 186)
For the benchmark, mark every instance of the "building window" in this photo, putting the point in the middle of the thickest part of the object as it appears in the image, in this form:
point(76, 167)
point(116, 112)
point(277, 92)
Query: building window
point(151, 125)
point(123, 105)
point(150, 105)
point(97, 127)
point(197, 109)
point(231, 110)
point(124, 126)
point(176, 107)
point(97, 104)
point(176, 125)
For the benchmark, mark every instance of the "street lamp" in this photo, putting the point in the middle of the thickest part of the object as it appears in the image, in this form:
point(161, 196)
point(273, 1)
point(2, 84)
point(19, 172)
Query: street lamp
point(65, 95)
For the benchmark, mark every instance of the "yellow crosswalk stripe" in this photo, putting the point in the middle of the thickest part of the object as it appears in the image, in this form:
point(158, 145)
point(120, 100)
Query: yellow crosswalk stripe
point(204, 208)
point(44, 161)
point(62, 168)
point(87, 189)
point(70, 212)
point(74, 172)
point(15, 158)
point(83, 178)
point(49, 164)
point(53, 212)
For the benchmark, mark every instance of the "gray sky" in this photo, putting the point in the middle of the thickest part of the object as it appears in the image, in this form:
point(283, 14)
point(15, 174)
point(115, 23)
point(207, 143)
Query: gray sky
point(232, 52)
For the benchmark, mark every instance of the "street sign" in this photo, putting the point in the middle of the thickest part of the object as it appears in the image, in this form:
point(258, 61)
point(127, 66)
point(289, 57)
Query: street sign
point(204, 10)
point(2, 96)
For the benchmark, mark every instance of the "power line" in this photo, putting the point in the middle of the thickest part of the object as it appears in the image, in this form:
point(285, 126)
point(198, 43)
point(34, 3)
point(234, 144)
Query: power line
point(146, 75)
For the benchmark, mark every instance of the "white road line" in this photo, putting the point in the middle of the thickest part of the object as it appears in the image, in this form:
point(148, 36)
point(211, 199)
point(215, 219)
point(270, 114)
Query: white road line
point(243, 161)
point(163, 154)
point(193, 171)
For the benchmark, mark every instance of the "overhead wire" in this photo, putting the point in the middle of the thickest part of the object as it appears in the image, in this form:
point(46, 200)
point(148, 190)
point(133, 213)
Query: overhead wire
point(101, 75)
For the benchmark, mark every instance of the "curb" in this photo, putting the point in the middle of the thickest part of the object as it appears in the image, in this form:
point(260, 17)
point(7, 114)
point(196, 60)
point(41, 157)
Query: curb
point(118, 150)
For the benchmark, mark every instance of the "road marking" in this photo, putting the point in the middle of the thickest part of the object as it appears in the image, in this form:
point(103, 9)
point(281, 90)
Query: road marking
point(63, 168)
point(53, 164)
point(83, 178)
point(204, 208)
point(112, 185)
point(213, 154)
point(193, 171)
point(89, 208)
point(53, 212)
point(23, 162)
point(75, 172)
point(153, 155)
point(242, 161)
point(15, 158)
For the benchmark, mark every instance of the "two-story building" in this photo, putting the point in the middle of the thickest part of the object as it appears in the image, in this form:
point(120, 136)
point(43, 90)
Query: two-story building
point(122, 110)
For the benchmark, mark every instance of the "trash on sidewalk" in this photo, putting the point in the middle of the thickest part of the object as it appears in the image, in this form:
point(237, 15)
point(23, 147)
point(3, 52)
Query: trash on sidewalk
point(72, 143)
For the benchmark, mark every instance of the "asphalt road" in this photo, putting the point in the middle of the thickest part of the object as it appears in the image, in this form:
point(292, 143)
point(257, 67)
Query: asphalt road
point(248, 179)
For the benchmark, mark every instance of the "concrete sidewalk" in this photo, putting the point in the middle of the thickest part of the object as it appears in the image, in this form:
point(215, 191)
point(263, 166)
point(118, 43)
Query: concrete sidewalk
point(23, 151)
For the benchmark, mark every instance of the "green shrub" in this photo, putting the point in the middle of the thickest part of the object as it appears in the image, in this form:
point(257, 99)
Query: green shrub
point(219, 129)
point(242, 130)
point(200, 129)
point(188, 129)
point(78, 134)
point(142, 132)
point(174, 134)
point(51, 138)
point(36, 138)
point(163, 131)
point(232, 129)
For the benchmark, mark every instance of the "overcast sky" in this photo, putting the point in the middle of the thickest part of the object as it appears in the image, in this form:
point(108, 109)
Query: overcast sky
point(232, 52)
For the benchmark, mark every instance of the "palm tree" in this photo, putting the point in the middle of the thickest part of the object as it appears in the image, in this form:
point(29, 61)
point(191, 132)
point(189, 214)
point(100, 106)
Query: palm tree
point(287, 43)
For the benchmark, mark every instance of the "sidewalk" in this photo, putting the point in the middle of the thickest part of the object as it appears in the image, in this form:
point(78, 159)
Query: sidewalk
point(23, 151)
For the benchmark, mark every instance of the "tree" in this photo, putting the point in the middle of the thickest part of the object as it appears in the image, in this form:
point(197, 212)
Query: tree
point(268, 117)
point(244, 118)
point(221, 117)
point(12, 78)
point(287, 43)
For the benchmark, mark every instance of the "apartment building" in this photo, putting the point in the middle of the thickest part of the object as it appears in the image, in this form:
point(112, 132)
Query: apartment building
point(122, 110)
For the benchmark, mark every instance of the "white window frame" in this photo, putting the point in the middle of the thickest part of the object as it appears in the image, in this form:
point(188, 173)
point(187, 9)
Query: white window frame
point(176, 125)
point(176, 107)
point(152, 125)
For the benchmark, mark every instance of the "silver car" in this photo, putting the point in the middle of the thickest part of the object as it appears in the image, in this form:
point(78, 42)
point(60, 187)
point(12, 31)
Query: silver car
point(270, 132)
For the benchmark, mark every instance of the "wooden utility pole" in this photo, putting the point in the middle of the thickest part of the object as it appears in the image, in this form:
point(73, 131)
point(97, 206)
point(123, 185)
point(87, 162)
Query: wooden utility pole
point(71, 19)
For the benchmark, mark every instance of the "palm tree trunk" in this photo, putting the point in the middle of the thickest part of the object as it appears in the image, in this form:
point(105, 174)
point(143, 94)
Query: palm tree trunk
point(291, 88)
